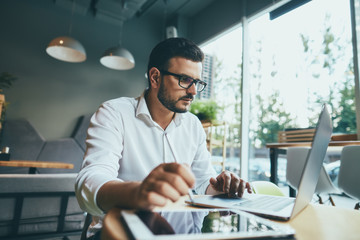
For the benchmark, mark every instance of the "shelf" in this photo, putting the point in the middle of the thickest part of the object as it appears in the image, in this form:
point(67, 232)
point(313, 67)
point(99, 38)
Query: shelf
point(210, 128)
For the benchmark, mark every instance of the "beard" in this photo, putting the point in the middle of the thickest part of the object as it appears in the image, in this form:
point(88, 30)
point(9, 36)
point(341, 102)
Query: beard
point(169, 102)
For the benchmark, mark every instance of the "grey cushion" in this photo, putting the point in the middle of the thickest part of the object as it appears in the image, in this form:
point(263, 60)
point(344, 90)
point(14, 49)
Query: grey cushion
point(63, 150)
point(27, 144)
point(80, 131)
point(23, 139)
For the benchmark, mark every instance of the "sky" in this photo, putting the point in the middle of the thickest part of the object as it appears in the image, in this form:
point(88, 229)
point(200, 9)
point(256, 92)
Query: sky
point(292, 78)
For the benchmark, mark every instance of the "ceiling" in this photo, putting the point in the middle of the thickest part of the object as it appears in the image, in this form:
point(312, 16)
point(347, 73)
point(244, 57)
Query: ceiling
point(117, 11)
point(198, 20)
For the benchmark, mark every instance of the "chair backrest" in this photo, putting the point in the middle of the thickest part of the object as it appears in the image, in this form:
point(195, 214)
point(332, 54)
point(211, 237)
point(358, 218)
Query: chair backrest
point(296, 158)
point(38, 206)
point(325, 185)
point(24, 141)
point(349, 173)
point(295, 164)
point(267, 188)
point(65, 150)
point(296, 135)
point(210, 128)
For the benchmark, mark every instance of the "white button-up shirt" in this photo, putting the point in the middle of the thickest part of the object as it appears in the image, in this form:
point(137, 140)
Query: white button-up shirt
point(125, 144)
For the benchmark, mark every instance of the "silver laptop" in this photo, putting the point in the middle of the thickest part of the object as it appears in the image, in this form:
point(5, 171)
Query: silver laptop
point(282, 208)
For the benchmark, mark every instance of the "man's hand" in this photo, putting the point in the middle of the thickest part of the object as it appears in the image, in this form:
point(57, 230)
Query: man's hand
point(228, 182)
point(167, 181)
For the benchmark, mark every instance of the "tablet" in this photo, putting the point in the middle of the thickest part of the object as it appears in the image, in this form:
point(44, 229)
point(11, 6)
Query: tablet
point(202, 224)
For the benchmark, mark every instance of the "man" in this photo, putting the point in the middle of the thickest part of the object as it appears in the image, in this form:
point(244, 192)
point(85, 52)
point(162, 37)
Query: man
point(143, 152)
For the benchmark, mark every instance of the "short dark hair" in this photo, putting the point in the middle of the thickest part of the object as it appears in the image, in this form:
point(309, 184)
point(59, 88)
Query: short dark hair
point(173, 47)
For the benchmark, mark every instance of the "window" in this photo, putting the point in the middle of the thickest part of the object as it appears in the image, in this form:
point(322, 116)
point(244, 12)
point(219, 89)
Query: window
point(222, 72)
point(297, 62)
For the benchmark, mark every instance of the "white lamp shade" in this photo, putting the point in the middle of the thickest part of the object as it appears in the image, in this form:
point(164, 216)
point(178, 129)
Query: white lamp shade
point(118, 58)
point(66, 49)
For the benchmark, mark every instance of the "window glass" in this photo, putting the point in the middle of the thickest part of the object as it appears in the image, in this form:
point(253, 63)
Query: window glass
point(222, 73)
point(297, 62)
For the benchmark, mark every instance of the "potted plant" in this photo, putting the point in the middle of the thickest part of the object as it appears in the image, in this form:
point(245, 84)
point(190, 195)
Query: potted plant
point(6, 80)
point(205, 110)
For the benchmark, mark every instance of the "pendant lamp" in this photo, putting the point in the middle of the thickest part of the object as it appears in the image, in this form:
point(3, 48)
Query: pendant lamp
point(118, 58)
point(66, 48)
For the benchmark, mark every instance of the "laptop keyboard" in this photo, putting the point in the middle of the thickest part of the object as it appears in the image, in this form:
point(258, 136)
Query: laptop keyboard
point(267, 203)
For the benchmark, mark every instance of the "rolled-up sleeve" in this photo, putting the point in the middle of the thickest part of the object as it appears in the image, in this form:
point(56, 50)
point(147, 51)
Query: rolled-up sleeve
point(201, 166)
point(101, 161)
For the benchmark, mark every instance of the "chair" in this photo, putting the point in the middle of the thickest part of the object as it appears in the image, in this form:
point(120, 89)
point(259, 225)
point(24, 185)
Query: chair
point(24, 141)
point(36, 206)
point(296, 135)
point(210, 128)
point(349, 177)
point(65, 150)
point(295, 163)
point(267, 188)
point(326, 186)
point(87, 223)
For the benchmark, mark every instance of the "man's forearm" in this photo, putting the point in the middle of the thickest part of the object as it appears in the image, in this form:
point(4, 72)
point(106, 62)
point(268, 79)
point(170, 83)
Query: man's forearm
point(117, 194)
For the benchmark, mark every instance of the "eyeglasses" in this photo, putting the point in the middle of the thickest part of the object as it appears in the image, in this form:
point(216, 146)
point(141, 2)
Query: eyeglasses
point(186, 81)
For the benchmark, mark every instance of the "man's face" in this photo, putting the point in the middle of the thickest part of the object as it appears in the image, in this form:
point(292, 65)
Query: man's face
point(171, 95)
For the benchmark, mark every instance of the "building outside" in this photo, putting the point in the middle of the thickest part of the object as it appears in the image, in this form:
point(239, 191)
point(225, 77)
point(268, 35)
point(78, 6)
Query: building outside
point(208, 76)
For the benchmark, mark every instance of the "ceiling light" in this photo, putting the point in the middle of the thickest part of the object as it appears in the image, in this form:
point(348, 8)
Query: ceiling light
point(118, 58)
point(66, 48)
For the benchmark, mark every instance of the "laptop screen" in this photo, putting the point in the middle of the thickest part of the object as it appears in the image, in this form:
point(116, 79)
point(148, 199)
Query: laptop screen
point(313, 164)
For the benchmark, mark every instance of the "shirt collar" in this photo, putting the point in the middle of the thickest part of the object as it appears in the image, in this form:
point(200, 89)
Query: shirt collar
point(178, 118)
point(142, 111)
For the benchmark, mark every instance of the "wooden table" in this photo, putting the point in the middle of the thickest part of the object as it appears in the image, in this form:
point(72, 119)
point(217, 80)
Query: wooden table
point(280, 148)
point(33, 165)
point(314, 222)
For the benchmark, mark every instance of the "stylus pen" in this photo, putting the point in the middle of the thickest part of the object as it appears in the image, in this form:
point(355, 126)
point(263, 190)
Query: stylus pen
point(191, 195)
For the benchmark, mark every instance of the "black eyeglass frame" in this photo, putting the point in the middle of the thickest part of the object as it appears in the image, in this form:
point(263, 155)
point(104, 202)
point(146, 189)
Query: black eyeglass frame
point(181, 77)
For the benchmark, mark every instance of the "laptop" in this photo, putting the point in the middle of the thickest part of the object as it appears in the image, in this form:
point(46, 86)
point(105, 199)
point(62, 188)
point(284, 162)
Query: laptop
point(277, 207)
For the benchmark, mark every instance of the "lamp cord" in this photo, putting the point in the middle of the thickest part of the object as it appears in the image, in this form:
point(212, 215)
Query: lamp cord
point(71, 19)
point(120, 32)
point(165, 18)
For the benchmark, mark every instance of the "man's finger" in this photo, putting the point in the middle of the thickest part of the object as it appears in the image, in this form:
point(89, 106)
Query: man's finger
point(226, 181)
point(213, 181)
point(235, 181)
point(248, 186)
point(177, 182)
point(241, 188)
point(166, 190)
point(155, 200)
point(183, 170)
